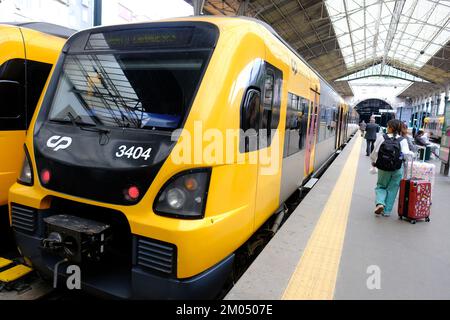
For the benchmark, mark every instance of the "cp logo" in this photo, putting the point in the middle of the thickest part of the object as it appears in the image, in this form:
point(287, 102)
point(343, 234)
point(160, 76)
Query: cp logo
point(58, 142)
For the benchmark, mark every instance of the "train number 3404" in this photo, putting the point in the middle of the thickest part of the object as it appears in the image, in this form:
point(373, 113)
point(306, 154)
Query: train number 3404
point(133, 152)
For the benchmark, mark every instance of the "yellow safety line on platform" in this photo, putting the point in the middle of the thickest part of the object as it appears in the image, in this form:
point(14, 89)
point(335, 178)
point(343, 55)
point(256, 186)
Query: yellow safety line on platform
point(316, 273)
point(14, 273)
point(4, 262)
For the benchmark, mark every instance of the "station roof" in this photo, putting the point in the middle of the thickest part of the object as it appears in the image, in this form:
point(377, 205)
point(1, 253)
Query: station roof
point(342, 37)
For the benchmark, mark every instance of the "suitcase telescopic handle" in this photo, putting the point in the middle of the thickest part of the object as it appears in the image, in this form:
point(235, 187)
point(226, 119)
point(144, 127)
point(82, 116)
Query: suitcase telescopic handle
point(409, 159)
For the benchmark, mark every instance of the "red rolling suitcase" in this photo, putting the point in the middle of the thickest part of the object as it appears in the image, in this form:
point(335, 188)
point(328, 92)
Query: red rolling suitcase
point(415, 199)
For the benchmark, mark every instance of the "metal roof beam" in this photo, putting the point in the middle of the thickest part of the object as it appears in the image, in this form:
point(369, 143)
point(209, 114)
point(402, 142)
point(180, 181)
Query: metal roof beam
point(243, 6)
point(393, 25)
point(351, 33)
point(377, 30)
point(311, 24)
point(428, 14)
point(293, 28)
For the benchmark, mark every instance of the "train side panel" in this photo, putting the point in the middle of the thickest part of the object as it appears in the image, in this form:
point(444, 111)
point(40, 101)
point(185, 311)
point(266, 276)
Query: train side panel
point(329, 101)
point(41, 53)
point(295, 129)
point(11, 136)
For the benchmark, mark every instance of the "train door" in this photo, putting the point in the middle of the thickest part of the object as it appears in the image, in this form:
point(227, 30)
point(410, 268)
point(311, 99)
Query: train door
point(345, 124)
point(270, 148)
point(12, 107)
point(339, 127)
point(311, 136)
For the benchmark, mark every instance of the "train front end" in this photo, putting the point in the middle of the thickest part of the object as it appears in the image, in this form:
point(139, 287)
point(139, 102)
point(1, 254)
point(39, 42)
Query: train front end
point(97, 189)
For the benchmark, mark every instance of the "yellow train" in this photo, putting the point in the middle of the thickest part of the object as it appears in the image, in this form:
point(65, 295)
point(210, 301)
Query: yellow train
point(433, 126)
point(129, 170)
point(28, 52)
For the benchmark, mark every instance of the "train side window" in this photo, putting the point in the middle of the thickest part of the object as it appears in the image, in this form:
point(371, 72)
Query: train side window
point(322, 125)
point(268, 102)
point(296, 124)
point(272, 102)
point(304, 123)
point(287, 126)
point(250, 116)
point(268, 90)
point(12, 103)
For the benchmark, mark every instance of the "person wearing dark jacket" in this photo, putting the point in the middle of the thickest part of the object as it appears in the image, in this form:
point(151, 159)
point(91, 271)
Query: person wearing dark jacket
point(371, 135)
point(422, 140)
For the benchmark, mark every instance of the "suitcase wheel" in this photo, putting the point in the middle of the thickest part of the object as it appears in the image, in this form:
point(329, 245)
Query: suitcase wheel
point(427, 219)
point(413, 221)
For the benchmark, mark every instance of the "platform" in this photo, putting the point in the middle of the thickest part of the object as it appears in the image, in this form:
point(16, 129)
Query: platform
point(334, 247)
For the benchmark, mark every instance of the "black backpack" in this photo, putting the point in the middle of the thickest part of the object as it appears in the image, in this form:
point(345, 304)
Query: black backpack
point(390, 154)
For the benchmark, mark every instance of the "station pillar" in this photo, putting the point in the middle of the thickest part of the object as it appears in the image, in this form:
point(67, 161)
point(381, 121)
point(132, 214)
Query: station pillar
point(438, 103)
point(423, 106)
point(444, 153)
point(97, 12)
point(198, 6)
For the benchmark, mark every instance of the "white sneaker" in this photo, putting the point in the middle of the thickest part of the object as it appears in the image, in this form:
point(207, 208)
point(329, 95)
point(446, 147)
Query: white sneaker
point(379, 209)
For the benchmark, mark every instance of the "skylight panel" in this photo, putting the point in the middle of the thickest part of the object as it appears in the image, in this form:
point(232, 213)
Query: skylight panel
point(353, 5)
point(422, 25)
point(385, 73)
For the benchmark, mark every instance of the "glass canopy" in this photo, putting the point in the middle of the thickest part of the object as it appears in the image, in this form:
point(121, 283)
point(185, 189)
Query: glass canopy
point(382, 70)
point(407, 31)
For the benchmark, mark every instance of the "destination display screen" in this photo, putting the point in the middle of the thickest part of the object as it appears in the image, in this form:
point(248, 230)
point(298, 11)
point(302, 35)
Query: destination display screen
point(141, 39)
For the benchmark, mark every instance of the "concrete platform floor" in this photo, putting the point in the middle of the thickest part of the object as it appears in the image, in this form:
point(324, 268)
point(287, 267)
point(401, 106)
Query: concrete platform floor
point(414, 260)
point(374, 258)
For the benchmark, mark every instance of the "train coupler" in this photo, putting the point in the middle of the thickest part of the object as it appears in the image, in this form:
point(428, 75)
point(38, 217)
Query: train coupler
point(76, 239)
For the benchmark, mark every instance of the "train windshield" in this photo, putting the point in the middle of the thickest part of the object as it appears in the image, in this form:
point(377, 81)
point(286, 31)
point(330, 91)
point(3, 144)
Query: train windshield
point(151, 90)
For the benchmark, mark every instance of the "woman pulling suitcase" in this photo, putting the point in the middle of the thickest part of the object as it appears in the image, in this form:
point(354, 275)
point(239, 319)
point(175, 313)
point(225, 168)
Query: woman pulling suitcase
point(388, 154)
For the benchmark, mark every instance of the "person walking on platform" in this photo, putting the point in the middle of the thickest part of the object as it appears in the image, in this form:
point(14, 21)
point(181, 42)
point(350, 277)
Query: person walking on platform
point(412, 147)
point(388, 154)
point(362, 127)
point(371, 135)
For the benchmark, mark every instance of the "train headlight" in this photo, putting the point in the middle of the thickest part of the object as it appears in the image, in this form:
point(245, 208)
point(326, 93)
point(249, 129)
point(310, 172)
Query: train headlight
point(26, 174)
point(184, 195)
point(176, 198)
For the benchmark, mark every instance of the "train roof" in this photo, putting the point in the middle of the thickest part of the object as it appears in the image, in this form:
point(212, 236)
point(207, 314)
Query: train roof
point(217, 18)
point(44, 27)
point(272, 31)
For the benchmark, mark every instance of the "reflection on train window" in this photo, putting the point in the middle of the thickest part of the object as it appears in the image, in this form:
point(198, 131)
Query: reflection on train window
point(272, 103)
point(135, 90)
point(268, 102)
point(296, 124)
point(261, 109)
point(250, 115)
point(268, 90)
point(327, 124)
point(304, 122)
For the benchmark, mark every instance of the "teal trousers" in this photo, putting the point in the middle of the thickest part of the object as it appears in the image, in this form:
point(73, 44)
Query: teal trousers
point(387, 188)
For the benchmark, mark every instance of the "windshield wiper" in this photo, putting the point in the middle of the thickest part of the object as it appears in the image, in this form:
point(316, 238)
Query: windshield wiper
point(80, 124)
point(85, 126)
